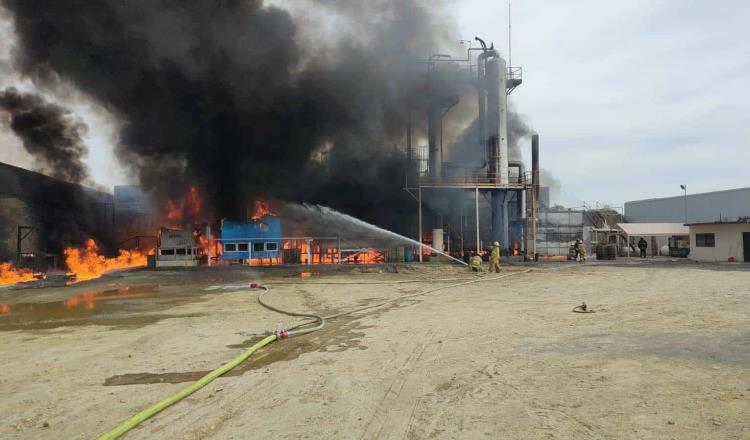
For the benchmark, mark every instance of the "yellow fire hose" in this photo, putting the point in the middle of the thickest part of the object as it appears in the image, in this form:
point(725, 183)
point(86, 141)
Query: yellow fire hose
point(142, 416)
point(152, 410)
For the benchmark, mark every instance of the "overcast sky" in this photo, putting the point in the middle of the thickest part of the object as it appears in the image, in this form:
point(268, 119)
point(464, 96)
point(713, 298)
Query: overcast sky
point(630, 98)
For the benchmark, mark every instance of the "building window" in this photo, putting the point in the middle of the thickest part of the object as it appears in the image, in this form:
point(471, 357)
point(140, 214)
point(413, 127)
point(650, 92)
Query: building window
point(230, 247)
point(242, 247)
point(705, 240)
point(167, 251)
point(180, 251)
point(257, 247)
point(272, 247)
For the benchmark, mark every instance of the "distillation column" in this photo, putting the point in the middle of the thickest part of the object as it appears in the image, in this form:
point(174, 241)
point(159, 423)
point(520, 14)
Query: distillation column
point(494, 82)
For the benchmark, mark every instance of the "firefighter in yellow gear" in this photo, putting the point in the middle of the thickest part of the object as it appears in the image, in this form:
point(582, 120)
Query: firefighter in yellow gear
point(475, 263)
point(581, 248)
point(495, 257)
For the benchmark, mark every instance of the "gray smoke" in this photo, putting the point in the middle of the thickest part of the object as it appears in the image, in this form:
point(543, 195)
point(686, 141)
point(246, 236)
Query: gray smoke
point(547, 179)
point(49, 132)
point(466, 148)
point(518, 130)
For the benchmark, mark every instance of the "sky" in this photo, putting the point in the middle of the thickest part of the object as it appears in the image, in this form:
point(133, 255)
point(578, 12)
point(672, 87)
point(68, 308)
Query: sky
point(631, 99)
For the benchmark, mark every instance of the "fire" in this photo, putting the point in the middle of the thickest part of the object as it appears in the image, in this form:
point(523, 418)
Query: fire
point(264, 261)
point(11, 275)
point(365, 256)
point(86, 263)
point(187, 206)
point(261, 209)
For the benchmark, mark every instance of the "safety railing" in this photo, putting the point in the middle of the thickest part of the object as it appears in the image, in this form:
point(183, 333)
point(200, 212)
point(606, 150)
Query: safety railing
point(473, 178)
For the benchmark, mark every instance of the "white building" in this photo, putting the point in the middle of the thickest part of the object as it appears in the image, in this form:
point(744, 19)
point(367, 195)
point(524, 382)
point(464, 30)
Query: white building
point(726, 206)
point(720, 241)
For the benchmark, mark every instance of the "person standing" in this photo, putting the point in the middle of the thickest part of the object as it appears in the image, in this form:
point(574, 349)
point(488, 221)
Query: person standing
point(495, 257)
point(642, 245)
point(581, 250)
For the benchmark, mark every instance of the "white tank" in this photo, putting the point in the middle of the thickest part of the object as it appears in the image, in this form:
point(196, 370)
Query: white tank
point(437, 240)
point(665, 250)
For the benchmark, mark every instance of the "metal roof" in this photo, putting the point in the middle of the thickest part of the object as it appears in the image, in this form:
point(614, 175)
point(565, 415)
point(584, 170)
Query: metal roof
point(738, 222)
point(652, 229)
point(682, 196)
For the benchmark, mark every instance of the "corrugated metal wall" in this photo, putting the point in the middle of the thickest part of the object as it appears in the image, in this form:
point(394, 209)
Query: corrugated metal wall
point(704, 207)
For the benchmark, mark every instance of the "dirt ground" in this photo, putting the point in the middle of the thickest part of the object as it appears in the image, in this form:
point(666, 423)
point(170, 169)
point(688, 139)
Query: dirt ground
point(665, 355)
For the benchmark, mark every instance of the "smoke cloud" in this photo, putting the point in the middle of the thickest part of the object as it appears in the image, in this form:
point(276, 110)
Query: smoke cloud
point(49, 132)
point(230, 95)
point(466, 148)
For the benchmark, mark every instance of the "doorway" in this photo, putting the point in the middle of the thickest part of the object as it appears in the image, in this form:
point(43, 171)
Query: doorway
point(746, 245)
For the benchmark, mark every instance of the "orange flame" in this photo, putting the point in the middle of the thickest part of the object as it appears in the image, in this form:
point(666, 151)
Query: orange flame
point(368, 256)
point(11, 275)
point(187, 206)
point(86, 263)
point(261, 208)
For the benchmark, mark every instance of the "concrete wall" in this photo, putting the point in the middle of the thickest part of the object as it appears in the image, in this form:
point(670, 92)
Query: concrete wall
point(728, 242)
point(705, 207)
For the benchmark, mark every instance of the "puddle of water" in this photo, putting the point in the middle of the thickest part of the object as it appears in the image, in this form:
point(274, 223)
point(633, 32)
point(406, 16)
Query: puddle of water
point(87, 308)
point(333, 338)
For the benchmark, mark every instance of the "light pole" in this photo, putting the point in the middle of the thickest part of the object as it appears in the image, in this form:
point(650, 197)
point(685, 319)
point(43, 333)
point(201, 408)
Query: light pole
point(684, 199)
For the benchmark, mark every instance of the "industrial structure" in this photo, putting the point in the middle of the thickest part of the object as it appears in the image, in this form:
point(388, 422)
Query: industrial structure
point(511, 192)
point(40, 215)
point(177, 248)
point(258, 239)
point(723, 206)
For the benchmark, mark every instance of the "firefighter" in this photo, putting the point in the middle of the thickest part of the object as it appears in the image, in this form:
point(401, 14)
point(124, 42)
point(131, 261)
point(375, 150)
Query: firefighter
point(475, 264)
point(495, 257)
point(642, 245)
point(581, 250)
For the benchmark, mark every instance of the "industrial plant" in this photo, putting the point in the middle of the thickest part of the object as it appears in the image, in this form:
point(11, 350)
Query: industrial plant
point(333, 219)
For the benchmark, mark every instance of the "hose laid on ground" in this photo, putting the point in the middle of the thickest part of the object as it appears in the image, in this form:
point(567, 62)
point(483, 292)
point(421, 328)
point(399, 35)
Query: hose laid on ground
point(147, 413)
point(338, 283)
point(583, 308)
point(382, 303)
point(283, 334)
point(296, 330)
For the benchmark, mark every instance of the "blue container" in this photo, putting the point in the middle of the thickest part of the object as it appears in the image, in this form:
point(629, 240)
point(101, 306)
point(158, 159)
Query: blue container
point(408, 255)
point(254, 239)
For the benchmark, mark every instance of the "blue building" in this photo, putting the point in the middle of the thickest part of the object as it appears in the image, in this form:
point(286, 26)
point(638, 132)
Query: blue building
point(251, 240)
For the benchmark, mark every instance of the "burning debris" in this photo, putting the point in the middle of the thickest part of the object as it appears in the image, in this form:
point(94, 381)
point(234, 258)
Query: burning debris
point(261, 209)
point(12, 275)
point(87, 263)
point(186, 208)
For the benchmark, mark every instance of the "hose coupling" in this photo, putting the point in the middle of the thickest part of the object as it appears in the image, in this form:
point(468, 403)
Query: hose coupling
point(255, 285)
point(282, 334)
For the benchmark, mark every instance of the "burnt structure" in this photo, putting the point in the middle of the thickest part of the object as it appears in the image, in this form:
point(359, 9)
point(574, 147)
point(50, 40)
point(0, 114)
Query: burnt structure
point(41, 215)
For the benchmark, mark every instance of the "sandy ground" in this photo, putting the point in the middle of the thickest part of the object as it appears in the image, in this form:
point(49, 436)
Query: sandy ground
point(666, 355)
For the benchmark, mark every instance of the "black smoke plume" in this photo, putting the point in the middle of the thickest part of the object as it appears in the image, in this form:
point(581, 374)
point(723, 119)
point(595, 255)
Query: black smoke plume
point(235, 96)
point(49, 132)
